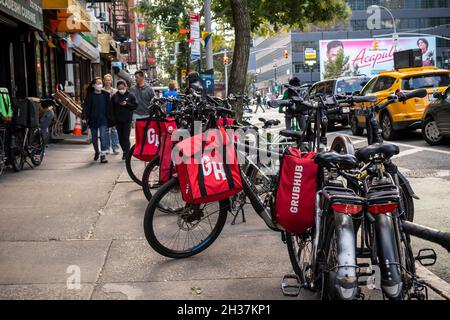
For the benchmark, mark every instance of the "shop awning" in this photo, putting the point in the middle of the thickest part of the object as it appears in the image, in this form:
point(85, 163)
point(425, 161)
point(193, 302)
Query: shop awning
point(70, 17)
point(83, 47)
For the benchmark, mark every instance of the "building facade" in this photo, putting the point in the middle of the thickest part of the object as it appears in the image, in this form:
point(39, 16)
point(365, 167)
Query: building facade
point(411, 16)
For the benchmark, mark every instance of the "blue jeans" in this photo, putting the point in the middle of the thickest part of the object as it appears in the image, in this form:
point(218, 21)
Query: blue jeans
point(103, 138)
point(112, 138)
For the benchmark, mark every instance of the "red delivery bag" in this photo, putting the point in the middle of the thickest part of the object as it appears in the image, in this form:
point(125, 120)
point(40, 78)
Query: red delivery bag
point(166, 167)
point(296, 193)
point(207, 169)
point(148, 136)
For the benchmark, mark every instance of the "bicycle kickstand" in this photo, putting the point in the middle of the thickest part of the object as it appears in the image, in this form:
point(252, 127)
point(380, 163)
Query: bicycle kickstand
point(235, 217)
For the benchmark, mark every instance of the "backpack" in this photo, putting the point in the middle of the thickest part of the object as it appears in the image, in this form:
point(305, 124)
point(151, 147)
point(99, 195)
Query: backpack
point(6, 111)
point(296, 193)
point(148, 132)
point(207, 167)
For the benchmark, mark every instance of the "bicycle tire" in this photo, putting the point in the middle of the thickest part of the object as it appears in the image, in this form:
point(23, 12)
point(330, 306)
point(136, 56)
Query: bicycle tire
point(152, 238)
point(294, 255)
point(15, 152)
point(37, 152)
point(128, 160)
point(149, 169)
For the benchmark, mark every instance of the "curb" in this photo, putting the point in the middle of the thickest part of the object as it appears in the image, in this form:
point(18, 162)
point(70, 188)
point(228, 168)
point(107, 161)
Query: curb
point(435, 283)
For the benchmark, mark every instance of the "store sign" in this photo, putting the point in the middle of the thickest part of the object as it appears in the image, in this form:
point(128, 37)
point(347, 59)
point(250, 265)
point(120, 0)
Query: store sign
point(208, 82)
point(371, 56)
point(310, 54)
point(195, 36)
point(27, 11)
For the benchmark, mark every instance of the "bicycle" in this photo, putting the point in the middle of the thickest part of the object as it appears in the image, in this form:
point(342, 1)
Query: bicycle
point(374, 137)
point(25, 143)
point(135, 167)
point(191, 217)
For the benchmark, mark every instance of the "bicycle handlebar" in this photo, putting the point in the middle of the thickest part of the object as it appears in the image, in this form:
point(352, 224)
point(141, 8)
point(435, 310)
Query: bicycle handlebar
point(440, 237)
point(358, 99)
point(418, 93)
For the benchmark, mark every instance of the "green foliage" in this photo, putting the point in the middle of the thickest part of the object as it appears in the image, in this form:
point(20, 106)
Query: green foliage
point(272, 16)
point(338, 67)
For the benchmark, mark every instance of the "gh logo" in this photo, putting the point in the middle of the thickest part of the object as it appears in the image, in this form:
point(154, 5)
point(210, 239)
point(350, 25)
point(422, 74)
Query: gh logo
point(152, 137)
point(213, 167)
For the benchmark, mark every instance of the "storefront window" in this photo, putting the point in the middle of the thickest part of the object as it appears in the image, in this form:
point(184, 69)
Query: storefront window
point(46, 68)
point(52, 70)
point(38, 69)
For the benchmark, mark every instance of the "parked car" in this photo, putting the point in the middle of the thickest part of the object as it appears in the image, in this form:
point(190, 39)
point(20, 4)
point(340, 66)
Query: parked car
point(342, 85)
point(401, 115)
point(436, 119)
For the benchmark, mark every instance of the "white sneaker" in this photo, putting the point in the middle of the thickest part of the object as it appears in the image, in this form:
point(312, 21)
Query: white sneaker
point(107, 151)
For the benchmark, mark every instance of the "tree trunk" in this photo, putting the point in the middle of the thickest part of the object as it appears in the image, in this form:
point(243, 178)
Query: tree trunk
point(238, 75)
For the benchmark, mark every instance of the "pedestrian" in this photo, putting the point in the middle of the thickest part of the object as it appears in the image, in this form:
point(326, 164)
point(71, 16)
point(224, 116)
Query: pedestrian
point(171, 93)
point(258, 102)
point(46, 116)
point(113, 138)
point(300, 117)
point(124, 103)
point(143, 93)
point(97, 111)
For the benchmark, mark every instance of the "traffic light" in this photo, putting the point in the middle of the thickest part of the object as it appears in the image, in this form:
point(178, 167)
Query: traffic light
point(286, 54)
point(225, 59)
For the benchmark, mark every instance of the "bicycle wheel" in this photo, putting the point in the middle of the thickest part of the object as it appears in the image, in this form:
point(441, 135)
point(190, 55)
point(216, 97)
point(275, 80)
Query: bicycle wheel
point(300, 254)
point(16, 154)
point(150, 177)
point(135, 167)
point(36, 146)
point(184, 230)
point(326, 271)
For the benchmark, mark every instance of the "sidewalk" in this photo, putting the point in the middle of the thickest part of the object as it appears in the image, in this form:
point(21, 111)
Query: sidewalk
point(74, 212)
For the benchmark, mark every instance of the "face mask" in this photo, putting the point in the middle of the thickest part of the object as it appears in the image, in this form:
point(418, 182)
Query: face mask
point(98, 87)
point(122, 91)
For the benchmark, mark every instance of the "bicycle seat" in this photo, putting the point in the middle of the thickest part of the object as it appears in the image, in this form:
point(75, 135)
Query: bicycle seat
point(387, 149)
point(332, 158)
point(197, 86)
point(291, 134)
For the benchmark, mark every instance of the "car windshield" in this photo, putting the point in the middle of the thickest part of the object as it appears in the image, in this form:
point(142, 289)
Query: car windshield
point(350, 85)
point(426, 81)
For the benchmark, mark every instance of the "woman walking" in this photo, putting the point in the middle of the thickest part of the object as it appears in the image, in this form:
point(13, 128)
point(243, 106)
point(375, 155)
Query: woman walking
point(113, 139)
point(97, 111)
point(124, 103)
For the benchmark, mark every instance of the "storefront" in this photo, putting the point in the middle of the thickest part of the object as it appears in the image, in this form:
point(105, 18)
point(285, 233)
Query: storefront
point(71, 22)
point(19, 20)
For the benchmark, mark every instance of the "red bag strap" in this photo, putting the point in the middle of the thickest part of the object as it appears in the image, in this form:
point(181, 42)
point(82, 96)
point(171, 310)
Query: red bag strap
point(147, 124)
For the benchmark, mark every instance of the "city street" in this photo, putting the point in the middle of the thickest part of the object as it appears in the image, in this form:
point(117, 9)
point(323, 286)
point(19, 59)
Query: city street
point(72, 213)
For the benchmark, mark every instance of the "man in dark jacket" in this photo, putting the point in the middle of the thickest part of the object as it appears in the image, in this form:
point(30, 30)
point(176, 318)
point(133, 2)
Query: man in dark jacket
point(124, 103)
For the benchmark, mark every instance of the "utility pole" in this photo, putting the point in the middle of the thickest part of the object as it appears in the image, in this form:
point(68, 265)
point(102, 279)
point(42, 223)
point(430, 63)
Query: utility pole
point(209, 48)
point(226, 75)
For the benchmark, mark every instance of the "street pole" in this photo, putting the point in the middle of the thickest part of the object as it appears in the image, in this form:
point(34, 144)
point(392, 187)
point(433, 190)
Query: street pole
point(226, 76)
point(209, 48)
point(394, 35)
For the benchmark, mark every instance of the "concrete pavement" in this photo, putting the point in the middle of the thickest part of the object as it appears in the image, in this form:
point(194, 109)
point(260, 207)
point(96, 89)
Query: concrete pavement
point(72, 215)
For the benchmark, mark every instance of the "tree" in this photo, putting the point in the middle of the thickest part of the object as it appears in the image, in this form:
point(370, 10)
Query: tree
point(248, 16)
point(339, 67)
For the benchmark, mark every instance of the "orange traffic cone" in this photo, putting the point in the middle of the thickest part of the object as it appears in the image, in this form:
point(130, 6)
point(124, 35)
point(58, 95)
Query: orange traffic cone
point(77, 129)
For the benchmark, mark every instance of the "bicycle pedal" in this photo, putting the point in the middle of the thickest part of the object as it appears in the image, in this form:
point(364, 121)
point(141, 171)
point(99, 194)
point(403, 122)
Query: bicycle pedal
point(291, 285)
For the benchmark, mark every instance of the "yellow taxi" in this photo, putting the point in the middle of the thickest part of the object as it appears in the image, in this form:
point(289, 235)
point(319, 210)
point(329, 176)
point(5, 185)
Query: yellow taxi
point(401, 115)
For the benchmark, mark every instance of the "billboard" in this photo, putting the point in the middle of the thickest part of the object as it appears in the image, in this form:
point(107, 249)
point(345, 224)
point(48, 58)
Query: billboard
point(371, 56)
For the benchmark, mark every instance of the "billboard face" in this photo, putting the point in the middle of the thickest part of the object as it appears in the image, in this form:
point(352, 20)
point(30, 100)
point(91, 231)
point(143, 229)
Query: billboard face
point(371, 56)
